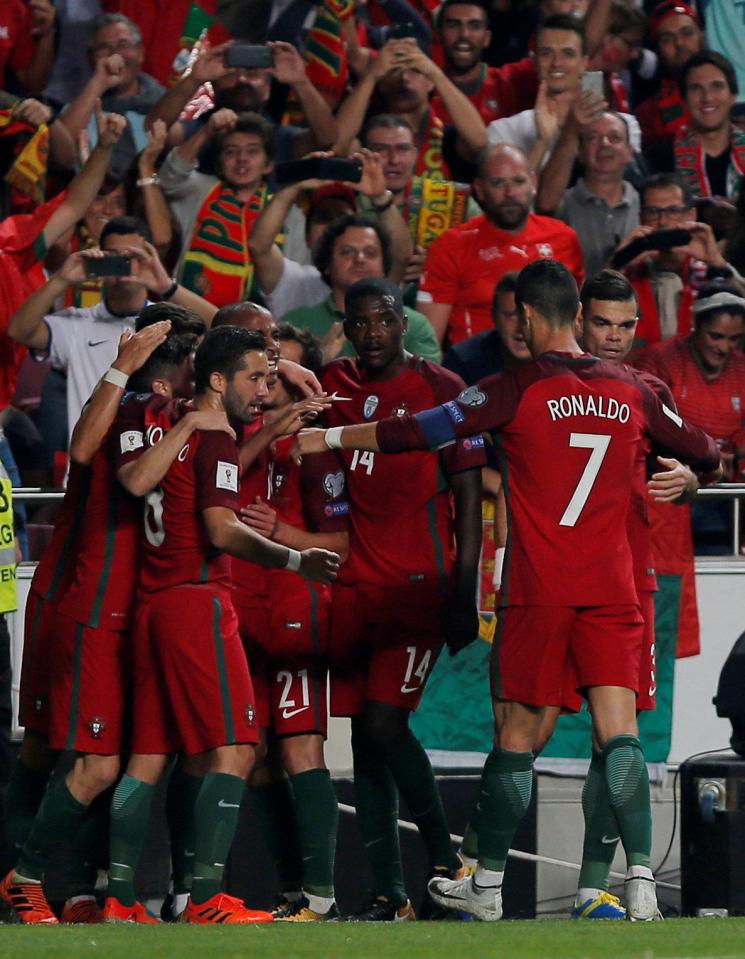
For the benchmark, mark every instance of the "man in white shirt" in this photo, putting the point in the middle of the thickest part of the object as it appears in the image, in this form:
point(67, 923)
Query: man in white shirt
point(561, 60)
point(84, 340)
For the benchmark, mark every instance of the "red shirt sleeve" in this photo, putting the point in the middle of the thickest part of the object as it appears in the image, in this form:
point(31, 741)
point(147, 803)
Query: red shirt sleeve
point(324, 493)
point(127, 435)
point(23, 44)
point(216, 470)
point(676, 437)
point(22, 234)
point(468, 452)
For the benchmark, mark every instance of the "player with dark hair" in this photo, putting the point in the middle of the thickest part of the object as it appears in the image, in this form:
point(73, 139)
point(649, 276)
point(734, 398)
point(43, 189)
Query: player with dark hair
point(408, 586)
point(191, 529)
point(79, 705)
point(568, 595)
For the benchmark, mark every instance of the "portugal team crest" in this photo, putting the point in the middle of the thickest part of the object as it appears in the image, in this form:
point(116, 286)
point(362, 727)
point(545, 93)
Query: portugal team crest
point(250, 714)
point(333, 484)
point(472, 396)
point(96, 727)
point(400, 409)
point(371, 404)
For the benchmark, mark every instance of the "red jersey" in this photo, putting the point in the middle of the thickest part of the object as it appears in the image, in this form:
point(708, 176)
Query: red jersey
point(22, 248)
point(717, 406)
point(17, 46)
point(56, 566)
point(499, 91)
point(400, 508)
point(248, 577)
point(103, 586)
point(177, 550)
point(465, 263)
point(568, 429)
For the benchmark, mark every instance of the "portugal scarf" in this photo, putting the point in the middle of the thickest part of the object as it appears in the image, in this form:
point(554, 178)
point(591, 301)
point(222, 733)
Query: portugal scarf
point(430, 162)
point(690, 162)
point(28, 171)
point(217, 264)
point(433, 206)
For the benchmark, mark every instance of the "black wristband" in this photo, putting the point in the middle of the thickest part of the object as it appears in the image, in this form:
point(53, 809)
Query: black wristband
point(384, 206)
point(169, 292)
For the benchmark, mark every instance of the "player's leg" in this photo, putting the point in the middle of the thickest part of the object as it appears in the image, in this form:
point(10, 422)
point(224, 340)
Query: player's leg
point(317, 815)
point(184, 783)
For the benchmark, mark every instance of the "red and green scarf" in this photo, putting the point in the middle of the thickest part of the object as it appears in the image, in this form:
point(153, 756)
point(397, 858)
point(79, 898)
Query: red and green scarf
point(430, 162)
point(28, 171)
point(433, 206)
point(690, 161)
point(217, 263)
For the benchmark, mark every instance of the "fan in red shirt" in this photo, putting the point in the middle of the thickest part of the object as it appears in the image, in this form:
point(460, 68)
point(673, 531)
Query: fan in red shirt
point(465, 263)
point(191, 530)
point(464, 33)
point(569, 428)
point(404, 590)
point(27, 43)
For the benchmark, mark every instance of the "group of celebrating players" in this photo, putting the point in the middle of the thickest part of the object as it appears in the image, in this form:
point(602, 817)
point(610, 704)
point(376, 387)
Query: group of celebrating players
point(220, 669)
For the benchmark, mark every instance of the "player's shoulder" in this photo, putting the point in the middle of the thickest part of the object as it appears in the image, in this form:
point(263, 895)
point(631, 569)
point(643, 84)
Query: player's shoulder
point(654, 383)
point(442, 381)
point(343, 369)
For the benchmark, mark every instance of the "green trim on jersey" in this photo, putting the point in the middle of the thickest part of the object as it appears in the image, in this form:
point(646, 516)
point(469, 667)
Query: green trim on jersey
point(75, 690)
point(33, 633)
point(571, 360)
point(494, 660)
point(204, 572)
point(103, 583)
point(316, 643)
point(40, 246)
point(504, 470)
point(64, 556)
point(442, 575)
point(222, 673)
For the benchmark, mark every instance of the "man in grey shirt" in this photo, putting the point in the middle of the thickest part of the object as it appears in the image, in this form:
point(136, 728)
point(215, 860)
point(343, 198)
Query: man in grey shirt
point(602, 207)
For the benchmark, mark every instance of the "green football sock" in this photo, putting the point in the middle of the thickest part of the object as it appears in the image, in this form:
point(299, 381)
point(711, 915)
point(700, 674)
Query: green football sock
point(601, 828)
point(415, 778)
point(58, 819)
point(317, 814)
point(130, 817)
point(628, 789)
point(22, 800)
point(181, 798)
point(89, 850)
point(506, 786)
point(470, 845)
point(376, 803)
point(216, 819)
point(274, 804)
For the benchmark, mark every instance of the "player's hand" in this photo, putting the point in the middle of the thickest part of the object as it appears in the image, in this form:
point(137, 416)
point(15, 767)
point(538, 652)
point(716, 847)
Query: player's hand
point(73, 269)
point(110, 127)
point(319, 565)
point(461, 625)
point(332, 341)
point(211, 420)
point(135, 349)
point(635, 234)
point(309, 441)
point(108, 73)
point(261, 517)
point(148, 271)
point(546, 117)
point(703, 244)
point(221, 121)
point(410, 56)
point(588, 106)
point(33, 112)
point(300, 414)
point(372, 183)
point(296, 375)
point(210, 64)
point(676, 483)
point(156, 140)
point(386, 59)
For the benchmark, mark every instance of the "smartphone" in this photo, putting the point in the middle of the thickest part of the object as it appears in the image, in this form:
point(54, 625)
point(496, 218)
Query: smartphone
point(398, 31)
point(112, 264)
point(668, 239)
point(249, 56)
point(318, 168)
point(592, 82)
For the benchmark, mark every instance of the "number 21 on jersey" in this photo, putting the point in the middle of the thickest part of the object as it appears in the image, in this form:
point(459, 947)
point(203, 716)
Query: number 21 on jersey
point(598, 443)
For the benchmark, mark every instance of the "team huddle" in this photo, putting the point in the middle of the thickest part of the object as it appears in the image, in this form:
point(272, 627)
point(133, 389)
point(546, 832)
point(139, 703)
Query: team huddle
point(215, 558)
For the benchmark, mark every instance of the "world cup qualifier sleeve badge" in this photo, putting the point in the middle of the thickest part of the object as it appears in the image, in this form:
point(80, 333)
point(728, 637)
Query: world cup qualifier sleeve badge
point(472, 396)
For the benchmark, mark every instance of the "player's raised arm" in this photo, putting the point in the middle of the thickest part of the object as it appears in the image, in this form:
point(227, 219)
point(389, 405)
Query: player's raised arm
point(228, 534)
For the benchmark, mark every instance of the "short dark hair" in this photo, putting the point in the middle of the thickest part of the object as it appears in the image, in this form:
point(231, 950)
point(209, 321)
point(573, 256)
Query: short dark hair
point(124, 225)
point(607, 285)
point(325, 251)
point(608, 113)
point(110, 20)
point(563, 21)
point(377, 286)
point(481, 4)
point(222, 351)
point(162, 363)
point(705, 58)
point(386, 121)
point(625, 17)
point(507, 284)
point(312, 358)
point(225, 316)
point(183, 322)
point(548, 287)
point(660, 181)
point(249, 122)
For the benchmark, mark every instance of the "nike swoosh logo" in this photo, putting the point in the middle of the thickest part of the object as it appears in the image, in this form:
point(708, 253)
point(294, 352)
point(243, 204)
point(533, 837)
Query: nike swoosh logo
point(188, 852)
point(228, 805)
point(289, 713)
point(97, 342)
point(608, 841)
point(411, 689)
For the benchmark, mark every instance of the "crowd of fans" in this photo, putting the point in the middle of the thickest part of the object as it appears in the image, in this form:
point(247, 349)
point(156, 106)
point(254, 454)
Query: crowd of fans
point(487, 135)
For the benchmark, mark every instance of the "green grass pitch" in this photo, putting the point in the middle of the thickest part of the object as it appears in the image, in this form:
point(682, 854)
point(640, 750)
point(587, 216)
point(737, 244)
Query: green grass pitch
point(673, 939)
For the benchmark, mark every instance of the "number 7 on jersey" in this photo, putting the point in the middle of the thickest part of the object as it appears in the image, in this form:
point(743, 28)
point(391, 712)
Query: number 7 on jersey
point(598, 443)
